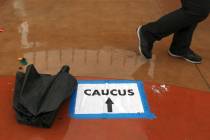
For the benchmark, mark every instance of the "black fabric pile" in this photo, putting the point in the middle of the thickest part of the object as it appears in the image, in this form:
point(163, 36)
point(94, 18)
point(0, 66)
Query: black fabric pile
point(37, 97)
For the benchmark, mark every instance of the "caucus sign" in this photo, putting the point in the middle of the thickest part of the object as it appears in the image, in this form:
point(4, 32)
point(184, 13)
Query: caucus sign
point(109, 99)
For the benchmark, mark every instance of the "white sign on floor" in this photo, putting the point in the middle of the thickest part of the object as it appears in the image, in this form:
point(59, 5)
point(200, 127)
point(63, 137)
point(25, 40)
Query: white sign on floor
point(109, 99)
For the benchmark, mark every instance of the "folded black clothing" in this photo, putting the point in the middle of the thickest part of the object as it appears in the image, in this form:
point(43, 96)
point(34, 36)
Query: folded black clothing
point(38, 97)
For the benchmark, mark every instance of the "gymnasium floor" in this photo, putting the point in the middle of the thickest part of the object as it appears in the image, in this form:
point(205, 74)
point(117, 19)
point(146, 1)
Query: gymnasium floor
point(96, 38)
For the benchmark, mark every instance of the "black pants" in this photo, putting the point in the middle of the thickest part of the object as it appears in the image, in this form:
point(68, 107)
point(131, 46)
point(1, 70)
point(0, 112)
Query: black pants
point(181, 22)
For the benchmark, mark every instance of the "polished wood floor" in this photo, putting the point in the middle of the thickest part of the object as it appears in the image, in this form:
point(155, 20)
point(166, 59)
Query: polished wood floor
point(96, 38)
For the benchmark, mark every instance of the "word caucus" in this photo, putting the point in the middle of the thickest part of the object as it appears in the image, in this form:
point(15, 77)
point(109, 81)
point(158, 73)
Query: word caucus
point(106, 92)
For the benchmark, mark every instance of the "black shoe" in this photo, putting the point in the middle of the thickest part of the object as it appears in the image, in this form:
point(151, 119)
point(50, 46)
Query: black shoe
point(144, 47)
point(189, 56)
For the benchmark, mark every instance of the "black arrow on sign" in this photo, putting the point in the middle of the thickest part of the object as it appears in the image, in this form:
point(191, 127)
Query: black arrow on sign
point(109, 104)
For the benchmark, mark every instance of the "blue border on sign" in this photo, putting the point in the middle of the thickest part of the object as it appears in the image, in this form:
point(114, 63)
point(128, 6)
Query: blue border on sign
point(147, 114)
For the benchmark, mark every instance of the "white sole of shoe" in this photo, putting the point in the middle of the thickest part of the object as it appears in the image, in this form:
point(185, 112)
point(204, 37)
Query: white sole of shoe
point(138, 30)
point(191, 61)
point(173, 55)
point(178, 56)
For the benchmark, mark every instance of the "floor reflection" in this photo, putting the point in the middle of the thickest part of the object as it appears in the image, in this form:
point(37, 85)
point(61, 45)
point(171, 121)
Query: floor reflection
point(107, 62)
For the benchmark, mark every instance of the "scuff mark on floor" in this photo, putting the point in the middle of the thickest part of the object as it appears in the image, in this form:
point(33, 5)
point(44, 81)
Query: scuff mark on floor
point(152, 67)
point(24, 30)
point(19, 8)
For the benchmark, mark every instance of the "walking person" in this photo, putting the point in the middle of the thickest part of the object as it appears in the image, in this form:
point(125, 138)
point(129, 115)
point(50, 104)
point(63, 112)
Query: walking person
point(182, 23)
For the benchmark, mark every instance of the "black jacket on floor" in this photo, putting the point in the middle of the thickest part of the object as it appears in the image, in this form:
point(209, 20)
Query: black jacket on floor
point(37, 97)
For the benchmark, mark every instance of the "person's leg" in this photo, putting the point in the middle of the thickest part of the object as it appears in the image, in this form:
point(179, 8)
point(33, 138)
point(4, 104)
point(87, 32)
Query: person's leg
point(169, 24)
point(182, 39)
point(180, 46)
point(190, 14)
